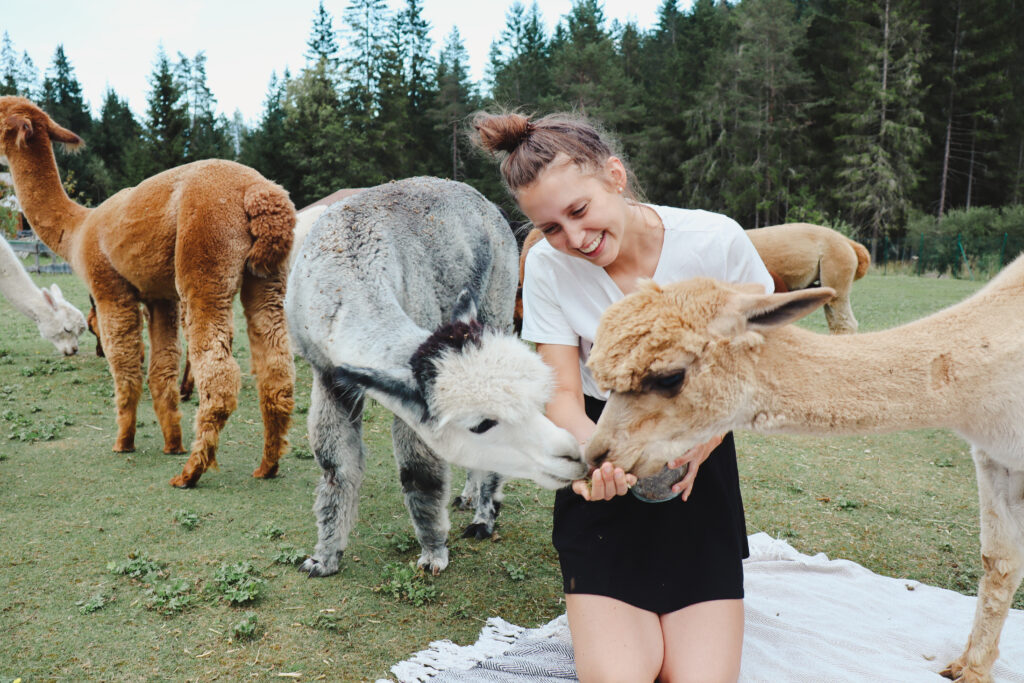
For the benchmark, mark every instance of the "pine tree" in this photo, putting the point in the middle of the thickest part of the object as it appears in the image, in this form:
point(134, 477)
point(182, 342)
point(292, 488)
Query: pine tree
point(419, 74)
point(320, 159)
point(748, 123)
point(366, 24)
point(62, 95)
point(456, 100)
point(28, 78)
point(587, 73)
point(167, 121)
point(116, 140)
point(62, 100)
point(519, 69)
point(208, 135)
point(9, 67)
point(323, 41)
point(881, 140)
point(971, 42)
point(263, 148)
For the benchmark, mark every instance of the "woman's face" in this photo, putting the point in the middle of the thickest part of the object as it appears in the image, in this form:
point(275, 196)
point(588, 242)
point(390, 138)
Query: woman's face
point(581, 214)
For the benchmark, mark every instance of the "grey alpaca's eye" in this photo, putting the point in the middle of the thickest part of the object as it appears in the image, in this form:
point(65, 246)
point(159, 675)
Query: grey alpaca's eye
point(483, 426)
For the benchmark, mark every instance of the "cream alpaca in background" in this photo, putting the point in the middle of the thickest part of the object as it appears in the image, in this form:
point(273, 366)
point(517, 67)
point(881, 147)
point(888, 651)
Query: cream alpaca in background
point(802, 254)
point(691, 360)
point(58, 321)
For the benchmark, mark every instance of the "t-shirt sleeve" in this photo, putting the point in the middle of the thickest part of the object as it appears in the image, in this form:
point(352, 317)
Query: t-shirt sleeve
point(544, 320)
point(743, 263)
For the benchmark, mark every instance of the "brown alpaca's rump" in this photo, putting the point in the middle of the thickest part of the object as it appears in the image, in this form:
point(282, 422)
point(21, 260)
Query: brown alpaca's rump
point(181, 243)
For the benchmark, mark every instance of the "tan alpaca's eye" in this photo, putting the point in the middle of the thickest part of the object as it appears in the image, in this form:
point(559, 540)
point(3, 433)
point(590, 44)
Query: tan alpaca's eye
point(669, 384)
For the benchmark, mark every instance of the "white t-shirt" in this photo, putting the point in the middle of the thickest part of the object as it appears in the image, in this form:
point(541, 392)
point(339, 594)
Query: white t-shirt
point(564, 296)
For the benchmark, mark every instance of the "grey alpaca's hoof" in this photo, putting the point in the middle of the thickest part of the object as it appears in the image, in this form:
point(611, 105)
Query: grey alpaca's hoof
point(461, 503)
point(314, 568)
point(478, 531)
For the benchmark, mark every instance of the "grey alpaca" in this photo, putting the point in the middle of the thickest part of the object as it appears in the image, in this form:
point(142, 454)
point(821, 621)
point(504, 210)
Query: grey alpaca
point(404, 292)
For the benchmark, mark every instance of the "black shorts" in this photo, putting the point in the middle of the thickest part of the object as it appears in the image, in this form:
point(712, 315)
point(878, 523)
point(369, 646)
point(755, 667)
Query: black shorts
point(660, 557)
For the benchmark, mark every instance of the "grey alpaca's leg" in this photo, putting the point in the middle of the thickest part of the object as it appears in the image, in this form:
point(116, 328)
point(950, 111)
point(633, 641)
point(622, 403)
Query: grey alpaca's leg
point(425, 482)
point(485, 495)
point(335, 433)
point(1002, 556)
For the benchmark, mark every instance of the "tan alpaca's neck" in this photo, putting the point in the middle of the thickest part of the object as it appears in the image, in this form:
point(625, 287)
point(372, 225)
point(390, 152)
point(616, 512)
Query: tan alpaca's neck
point(53, 215)
point(918, 375)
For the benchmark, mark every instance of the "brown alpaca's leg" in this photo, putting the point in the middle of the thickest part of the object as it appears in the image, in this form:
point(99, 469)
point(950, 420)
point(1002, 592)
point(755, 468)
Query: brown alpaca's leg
point(263, 301)
point(1002, 556)
point(122, 338)
point(218, 380)
point(163, 371)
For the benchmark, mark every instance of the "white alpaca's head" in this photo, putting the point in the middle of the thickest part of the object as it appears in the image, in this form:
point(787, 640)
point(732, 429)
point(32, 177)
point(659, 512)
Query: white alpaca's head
point(59, 321)
point(477, 398)
point(680, 363)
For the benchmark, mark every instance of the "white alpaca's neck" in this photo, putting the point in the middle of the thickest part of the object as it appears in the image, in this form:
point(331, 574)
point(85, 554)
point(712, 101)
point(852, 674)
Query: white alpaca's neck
point(18, 288)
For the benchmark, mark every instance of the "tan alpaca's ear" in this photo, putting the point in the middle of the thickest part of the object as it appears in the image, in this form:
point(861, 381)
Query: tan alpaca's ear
point(765, 311)
point(63, 136)
point(22, 126)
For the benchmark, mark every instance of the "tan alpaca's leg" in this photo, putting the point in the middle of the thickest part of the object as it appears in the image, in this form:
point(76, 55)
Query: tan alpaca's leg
point(837, 268)
point(1002, 556)
point(121, 332)
point(263, 301)
point(218, 380)
point(165, 351)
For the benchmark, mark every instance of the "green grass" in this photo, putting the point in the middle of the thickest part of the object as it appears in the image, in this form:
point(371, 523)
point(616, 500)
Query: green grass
point(901, 504)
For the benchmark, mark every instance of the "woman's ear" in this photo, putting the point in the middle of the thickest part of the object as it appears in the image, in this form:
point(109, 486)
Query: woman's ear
point(615, 171)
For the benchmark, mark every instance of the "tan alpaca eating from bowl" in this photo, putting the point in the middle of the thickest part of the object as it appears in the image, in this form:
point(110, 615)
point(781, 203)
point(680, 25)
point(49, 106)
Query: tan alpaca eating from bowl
point(694, 359)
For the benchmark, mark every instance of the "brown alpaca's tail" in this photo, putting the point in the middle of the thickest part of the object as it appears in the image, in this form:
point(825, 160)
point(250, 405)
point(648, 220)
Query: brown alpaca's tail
point(863, 259)
point(272, 226)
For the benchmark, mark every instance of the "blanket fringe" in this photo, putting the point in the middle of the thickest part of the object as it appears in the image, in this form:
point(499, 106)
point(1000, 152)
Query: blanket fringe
point(496, 638)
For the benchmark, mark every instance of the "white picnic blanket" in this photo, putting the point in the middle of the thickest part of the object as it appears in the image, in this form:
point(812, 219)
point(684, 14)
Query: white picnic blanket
point(807, 619)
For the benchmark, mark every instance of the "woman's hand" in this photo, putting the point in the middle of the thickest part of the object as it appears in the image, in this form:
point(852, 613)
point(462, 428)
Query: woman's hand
point(605, 483)
point(694, 458)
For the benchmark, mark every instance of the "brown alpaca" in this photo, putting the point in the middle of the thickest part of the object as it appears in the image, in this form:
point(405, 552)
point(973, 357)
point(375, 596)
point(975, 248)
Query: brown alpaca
point(198, 234)
point(697, 358)
point(801, 254)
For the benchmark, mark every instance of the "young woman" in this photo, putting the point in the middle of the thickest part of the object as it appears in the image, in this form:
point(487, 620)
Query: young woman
point(654, 591)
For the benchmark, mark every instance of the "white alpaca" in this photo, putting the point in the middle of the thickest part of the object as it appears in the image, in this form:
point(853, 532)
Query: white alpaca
point(698, 358)
point(58, 321)
point(389, 297)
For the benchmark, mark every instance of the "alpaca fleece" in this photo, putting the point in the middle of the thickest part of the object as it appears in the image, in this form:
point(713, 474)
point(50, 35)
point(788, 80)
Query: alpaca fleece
point(746, 368)
point(199, 234)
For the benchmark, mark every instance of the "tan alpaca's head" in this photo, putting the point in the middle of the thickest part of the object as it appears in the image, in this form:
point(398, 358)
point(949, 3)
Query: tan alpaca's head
point(679, 361)
point(23, 123)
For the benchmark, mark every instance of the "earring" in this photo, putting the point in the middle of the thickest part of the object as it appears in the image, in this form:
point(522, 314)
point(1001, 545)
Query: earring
point(620, 190)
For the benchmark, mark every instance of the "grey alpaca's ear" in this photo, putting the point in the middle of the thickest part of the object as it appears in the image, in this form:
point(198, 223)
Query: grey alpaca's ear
point(349, 377)
point(465, 308)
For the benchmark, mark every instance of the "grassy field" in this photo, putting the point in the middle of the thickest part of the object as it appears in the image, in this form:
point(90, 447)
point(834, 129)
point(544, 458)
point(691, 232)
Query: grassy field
point(108, 573)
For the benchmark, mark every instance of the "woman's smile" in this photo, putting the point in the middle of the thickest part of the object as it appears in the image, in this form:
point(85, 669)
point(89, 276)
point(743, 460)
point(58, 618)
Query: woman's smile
point(593, 247)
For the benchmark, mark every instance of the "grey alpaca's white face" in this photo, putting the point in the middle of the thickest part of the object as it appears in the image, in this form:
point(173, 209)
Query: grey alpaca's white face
point(489, 403)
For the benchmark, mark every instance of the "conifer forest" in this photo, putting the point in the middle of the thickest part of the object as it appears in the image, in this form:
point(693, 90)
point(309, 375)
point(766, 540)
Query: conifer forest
point(867, 115)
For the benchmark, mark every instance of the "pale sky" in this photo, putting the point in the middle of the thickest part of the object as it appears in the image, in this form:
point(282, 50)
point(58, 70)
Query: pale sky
point(115, 42)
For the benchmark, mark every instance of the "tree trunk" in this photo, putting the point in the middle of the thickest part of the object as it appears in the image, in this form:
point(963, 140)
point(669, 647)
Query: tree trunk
point(949, 114)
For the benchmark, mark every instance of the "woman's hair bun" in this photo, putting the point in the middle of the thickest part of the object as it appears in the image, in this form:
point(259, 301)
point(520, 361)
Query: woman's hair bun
point(502, 132)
